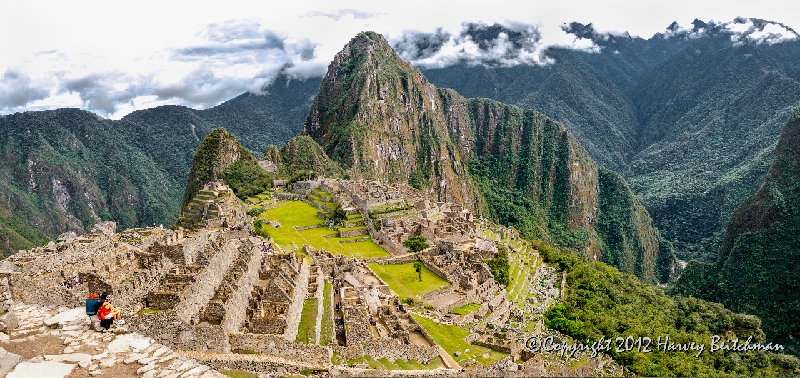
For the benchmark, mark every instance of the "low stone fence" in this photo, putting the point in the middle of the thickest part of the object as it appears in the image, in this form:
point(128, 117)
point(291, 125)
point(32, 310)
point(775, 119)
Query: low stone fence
point(302, 228)
point(390, 349)
point(276, 345)
point(250, 363)
point(351, 233)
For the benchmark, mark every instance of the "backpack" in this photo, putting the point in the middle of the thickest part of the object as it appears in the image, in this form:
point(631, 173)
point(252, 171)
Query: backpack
point(92, 305)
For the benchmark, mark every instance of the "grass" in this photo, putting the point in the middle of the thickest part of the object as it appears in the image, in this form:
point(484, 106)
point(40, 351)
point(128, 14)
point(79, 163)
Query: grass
point(238, 374)
point(307, 331)
point(465, 309)
point(385, 364)
point(327, 323)
point(451, 338)
point(299, 213)
point(404, 281)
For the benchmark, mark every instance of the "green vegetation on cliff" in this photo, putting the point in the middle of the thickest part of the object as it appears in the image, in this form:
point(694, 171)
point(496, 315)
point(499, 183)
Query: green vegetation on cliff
point(302, 155)
point(689, 122)
point(758, 264)
point(534, 176)
point(603, 302)
point(222, 157)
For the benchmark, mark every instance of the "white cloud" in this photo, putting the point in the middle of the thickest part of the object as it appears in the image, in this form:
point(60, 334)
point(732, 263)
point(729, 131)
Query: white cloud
point(113, 57)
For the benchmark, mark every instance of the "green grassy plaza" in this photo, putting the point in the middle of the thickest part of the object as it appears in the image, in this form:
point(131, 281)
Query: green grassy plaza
point(404, 281)
point(297, 213)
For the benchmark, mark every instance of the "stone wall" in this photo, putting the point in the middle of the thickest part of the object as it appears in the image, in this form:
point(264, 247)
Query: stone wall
point(278, 346)
point(236, 306)
point(197, 295)
point(351, 233)
point(168, 329)
point(296, 308)
point(5, 292)
point(320, 302)
point(390, 349)
point(129, 296)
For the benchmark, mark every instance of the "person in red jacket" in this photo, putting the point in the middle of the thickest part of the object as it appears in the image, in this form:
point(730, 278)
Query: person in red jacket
point(108, 314)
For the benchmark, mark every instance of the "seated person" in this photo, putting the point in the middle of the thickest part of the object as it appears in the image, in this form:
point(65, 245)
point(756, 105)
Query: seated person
point(108, 314)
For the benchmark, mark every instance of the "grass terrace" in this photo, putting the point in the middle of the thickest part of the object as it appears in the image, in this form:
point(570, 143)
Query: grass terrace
point(385, 364)
point(451, 338)
point(404, 281)
point(291, 214)
point(327, 323)
point(465, 309)
point(306, 332)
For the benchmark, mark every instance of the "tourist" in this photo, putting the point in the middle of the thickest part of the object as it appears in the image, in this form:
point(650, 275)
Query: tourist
point(108, 314)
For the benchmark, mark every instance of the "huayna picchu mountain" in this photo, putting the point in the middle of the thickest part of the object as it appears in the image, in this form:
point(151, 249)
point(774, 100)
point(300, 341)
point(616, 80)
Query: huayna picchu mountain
point(758, 264)
point(381, 119)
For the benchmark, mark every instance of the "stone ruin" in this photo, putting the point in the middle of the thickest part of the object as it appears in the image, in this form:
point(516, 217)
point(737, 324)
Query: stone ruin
point(212, 292)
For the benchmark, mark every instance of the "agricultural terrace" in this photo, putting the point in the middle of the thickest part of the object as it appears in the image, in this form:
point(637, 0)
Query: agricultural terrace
point(451, 338)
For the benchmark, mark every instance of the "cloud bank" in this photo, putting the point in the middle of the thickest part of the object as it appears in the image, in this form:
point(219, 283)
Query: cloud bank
point(215, 61)
point(506, 45)
point(232, 57)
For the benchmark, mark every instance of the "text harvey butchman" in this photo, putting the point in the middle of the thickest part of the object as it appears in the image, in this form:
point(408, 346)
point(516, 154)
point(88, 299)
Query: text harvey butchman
point(646, 345)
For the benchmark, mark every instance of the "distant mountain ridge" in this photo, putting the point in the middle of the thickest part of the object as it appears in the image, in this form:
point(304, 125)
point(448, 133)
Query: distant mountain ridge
point(688, 117)
point(63, 170)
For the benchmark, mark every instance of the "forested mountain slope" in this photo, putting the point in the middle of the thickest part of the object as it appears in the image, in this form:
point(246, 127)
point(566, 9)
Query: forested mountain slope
point(63, 170)
point(688, 118)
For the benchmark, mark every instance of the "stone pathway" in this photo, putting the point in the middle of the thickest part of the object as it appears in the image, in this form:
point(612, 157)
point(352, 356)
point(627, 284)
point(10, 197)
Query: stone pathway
point(62, 343)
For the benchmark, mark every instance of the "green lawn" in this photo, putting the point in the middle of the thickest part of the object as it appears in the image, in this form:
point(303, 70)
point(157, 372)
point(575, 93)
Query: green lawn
point(299, 213)
point(451, 338)
point(306, 332)
point(238, 374)
point(465, 309)
point(404, 281)
point(327, 323)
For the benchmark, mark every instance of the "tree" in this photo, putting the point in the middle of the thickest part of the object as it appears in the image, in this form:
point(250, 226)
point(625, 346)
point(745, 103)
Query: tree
point(418, 268)
point(338, 214)
point(416, 243)
point(498, 265)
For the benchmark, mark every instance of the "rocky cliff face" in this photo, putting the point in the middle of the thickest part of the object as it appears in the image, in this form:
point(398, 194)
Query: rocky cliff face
point(758, 264)
point(381, 119)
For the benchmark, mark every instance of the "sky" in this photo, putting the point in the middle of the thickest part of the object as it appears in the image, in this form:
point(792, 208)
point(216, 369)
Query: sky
point(116, 57)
